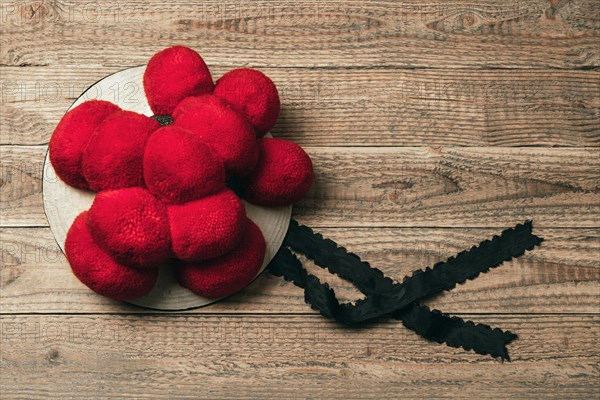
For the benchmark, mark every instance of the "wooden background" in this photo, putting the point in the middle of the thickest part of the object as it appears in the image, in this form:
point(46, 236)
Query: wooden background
point(432, 126)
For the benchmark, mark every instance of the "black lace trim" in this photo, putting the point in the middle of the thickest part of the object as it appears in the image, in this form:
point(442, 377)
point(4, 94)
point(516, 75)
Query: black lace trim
point(384, 297)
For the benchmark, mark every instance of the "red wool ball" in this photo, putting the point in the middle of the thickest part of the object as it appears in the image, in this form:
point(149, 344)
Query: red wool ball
point(230, 273)
point(253, 94)
point(132, 226)
point(206, 228)
point(98, 271)
point(114, 156)
point(179, 167)
point(227, 132)
point(174, 74)
point(72, 135)
point(283, 176)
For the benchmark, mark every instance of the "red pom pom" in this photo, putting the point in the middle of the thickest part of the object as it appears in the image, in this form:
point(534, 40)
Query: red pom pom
point(98, 271)
point(174, 74)
point(114, 156)
point(131, 225)
point(206, 228)
point(253, 94)
point(179, 167)
point(230, 273)
point(72, 135)
point(283, 176)
point(222, 128)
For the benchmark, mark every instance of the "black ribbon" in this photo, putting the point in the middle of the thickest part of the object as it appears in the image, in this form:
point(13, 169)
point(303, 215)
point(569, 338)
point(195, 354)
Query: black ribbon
point(384, 297)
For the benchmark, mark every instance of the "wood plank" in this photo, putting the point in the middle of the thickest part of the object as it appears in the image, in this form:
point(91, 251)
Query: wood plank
point(493, 75)
point(185, 357)
point(373, 107)
point(415, 34)
point(372, 186)
point(475, 187)
point(563, 275)
point(21, 177)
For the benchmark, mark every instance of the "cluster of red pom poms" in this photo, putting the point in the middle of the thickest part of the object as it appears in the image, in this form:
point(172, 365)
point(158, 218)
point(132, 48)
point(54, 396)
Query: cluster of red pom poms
point(162, 191)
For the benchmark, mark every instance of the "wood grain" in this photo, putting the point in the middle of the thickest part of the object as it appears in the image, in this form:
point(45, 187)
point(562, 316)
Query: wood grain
point(21, 178)
point(359, 107)
point(388, 186)
point(562, 275)
point(482, 187)
point(432, 125)
point(189, 357)
point(415, 34)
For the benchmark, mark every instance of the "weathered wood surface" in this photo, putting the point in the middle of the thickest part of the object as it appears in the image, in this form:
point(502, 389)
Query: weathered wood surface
point(343, 33)
point(372, 186)
point(193, 356)
point(562, 275)
point(359, 107)
point(432, 125)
